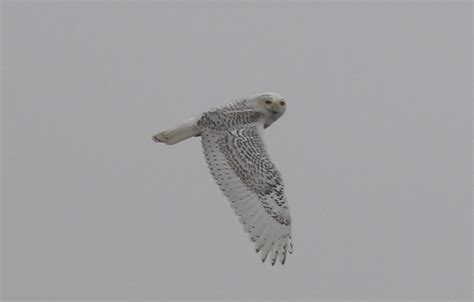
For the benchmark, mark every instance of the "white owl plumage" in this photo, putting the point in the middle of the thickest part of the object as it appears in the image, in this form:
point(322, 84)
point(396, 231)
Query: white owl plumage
point(232, 140)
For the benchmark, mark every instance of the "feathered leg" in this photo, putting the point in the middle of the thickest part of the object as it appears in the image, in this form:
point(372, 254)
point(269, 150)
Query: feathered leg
point(181, 132)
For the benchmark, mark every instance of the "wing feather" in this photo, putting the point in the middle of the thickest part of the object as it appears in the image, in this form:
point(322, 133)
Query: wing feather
point(241, 167)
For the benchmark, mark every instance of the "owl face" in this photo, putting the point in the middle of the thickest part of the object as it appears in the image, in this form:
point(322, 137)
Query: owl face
point(273, 104)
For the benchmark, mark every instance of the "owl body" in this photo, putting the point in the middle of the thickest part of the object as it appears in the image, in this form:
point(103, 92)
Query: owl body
point(232, 140)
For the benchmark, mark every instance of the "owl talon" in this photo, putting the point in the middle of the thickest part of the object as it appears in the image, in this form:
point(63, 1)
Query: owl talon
point(156, 139)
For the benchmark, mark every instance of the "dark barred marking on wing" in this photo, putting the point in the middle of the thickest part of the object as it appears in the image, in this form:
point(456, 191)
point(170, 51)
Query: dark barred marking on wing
point(236, 155)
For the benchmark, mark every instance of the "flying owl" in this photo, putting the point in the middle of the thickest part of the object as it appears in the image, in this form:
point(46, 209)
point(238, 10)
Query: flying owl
point(232, 139)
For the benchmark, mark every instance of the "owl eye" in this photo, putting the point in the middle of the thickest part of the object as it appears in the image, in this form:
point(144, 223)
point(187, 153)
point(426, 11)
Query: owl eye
point(282, 103)
point(268, 102)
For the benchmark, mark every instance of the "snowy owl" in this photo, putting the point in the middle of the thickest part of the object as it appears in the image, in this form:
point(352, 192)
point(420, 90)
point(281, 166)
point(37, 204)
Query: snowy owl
point(232, 139)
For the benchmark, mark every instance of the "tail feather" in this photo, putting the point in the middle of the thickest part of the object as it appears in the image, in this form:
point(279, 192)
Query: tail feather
point(175, 135)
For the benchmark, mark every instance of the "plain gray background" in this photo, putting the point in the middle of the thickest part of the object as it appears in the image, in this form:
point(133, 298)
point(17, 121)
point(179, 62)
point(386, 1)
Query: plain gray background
point(374, 148)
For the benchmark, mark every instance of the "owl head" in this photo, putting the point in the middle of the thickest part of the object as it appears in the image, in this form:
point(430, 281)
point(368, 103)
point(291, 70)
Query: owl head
point(271, 104)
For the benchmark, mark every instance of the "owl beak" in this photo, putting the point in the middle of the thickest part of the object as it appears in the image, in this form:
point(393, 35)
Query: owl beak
point(275, 109)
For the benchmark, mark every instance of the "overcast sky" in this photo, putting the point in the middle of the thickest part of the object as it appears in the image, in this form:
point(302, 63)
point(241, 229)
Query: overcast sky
point(374, 148)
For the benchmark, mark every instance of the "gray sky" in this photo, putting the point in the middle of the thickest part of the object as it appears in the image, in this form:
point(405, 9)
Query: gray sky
point(374, 148)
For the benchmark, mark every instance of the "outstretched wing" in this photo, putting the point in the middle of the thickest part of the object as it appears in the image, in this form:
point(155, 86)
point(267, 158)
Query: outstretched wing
point(241, 167)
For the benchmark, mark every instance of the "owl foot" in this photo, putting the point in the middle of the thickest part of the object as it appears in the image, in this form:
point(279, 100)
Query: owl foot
point(161, 137)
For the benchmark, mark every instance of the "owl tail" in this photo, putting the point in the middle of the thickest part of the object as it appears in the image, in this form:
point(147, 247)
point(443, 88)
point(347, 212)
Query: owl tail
point(180, 133)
